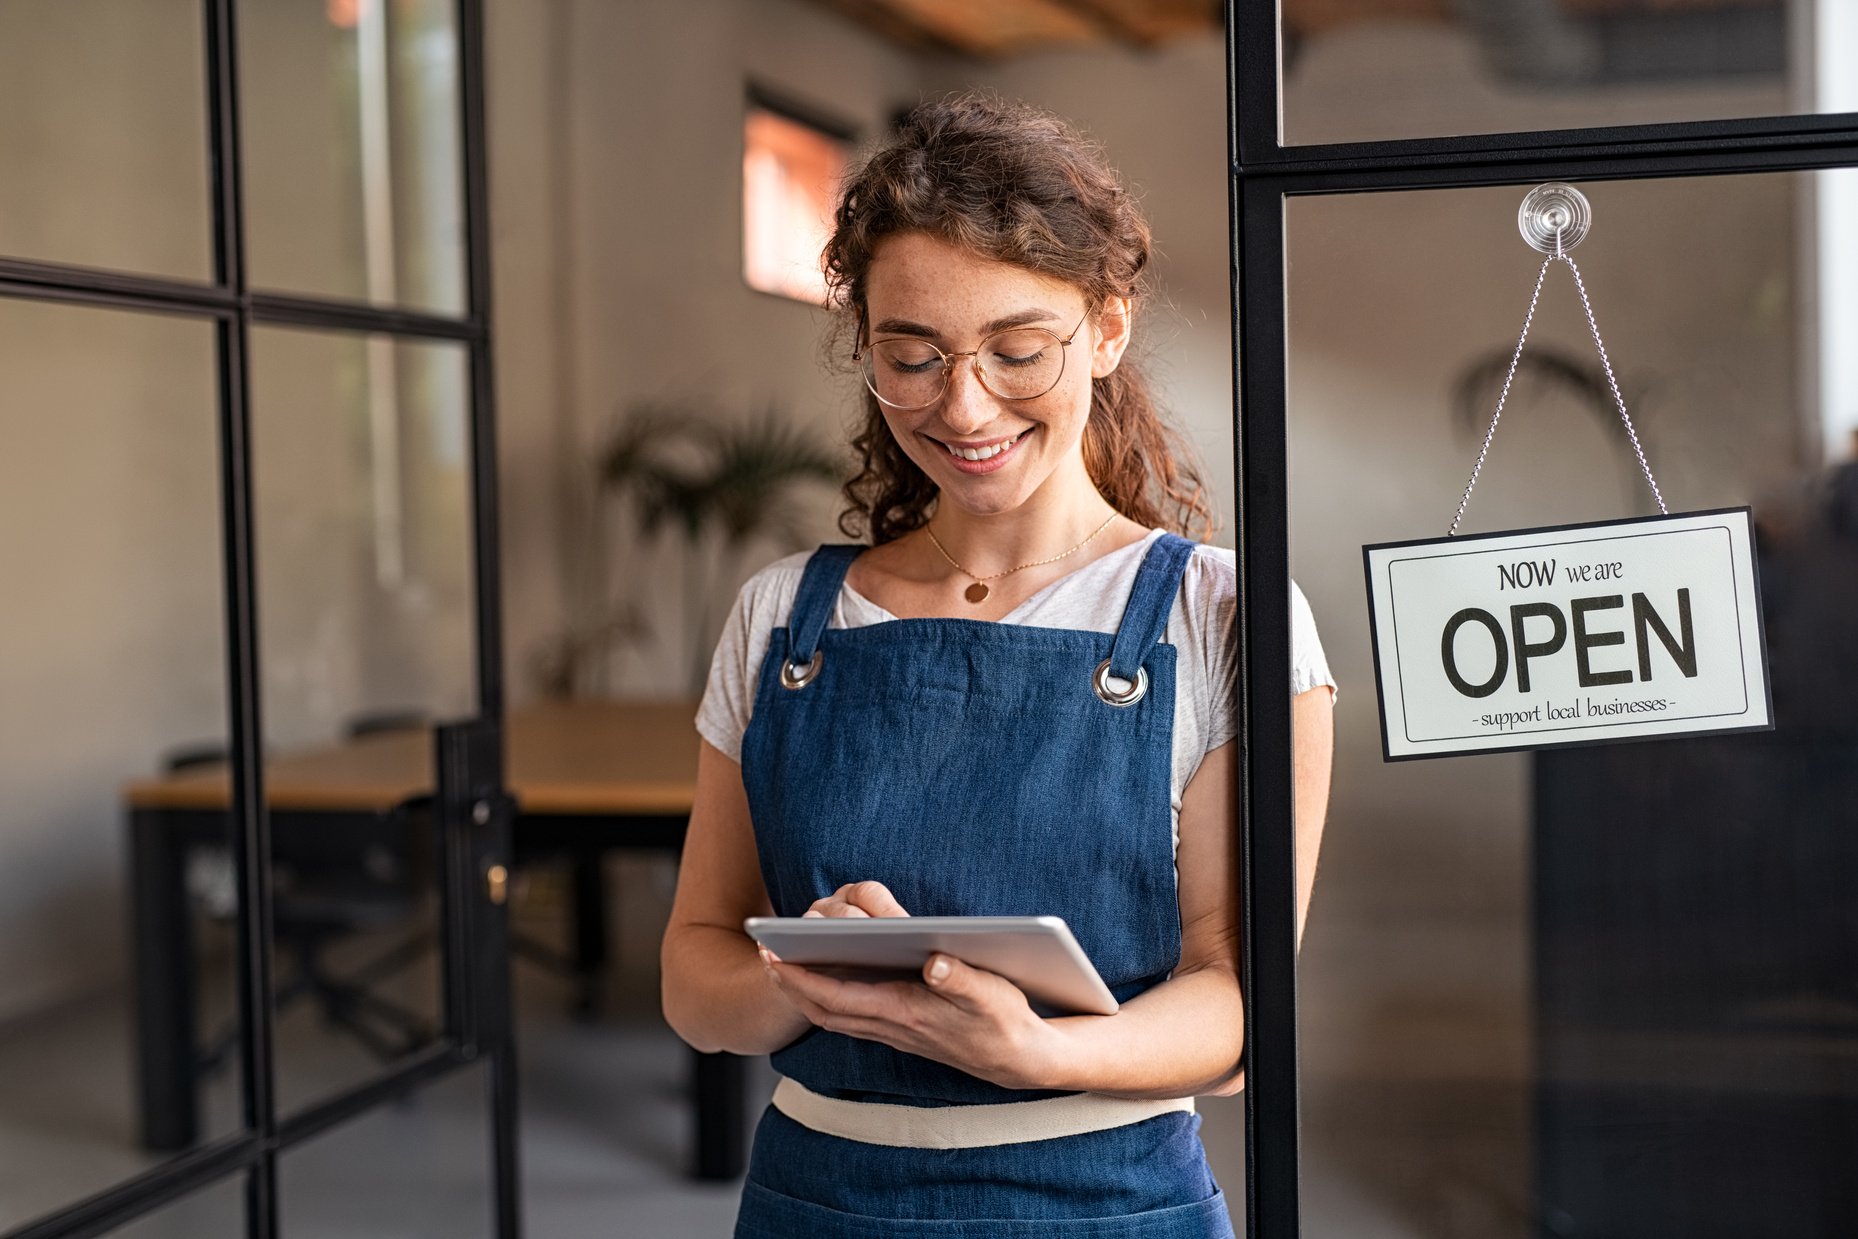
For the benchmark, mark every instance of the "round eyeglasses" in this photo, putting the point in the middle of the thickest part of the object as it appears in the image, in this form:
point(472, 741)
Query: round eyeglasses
point(1019, 363)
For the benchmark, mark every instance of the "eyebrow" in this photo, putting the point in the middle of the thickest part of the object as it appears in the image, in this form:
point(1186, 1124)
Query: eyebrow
point(1021, 318)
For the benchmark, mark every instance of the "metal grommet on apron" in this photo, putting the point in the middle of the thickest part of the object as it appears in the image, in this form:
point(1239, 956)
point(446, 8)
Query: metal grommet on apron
point(1138, 688)
point(1140, 630)
point(801, 660)
point(797, 675)
point(967, 766)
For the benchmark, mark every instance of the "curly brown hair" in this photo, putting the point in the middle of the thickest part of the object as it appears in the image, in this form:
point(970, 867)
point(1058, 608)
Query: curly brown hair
point(1018, 185)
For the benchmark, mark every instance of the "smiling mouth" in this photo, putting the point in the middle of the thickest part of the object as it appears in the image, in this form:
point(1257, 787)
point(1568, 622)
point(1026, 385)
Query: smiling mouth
point(982, 453)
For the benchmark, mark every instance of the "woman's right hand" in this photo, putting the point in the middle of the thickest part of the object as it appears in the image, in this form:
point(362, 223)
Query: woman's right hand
point(858, 899)
point(852, 899)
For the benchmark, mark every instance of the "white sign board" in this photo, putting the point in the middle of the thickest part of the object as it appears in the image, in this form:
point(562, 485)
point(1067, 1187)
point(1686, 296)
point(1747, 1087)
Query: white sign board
point(1581, 634)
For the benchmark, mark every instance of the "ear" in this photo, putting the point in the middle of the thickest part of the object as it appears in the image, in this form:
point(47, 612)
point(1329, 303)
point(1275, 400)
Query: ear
point(1114, 324)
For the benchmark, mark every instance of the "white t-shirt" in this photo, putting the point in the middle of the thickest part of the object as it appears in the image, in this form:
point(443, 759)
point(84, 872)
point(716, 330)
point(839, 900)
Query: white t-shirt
point(1200, 627)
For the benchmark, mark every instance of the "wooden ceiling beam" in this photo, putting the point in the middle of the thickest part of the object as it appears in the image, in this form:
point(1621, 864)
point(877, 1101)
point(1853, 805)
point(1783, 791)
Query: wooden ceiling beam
point(879, 18)
point(992, 29)
point(1110, 20)
point(1612, 7)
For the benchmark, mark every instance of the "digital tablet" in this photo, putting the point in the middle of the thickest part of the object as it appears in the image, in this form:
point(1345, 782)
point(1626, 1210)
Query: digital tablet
point(1036, 953)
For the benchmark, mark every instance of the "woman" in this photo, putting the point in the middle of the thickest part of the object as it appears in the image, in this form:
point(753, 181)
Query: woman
point(1018, 700)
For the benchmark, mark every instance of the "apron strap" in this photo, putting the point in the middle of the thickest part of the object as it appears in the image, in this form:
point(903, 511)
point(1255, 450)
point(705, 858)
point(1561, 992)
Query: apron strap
point(818, 594)
point(1157, 582)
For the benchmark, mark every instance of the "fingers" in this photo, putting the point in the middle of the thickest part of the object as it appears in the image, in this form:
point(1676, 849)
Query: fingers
point(824, 1017)
point(794, 985)
point(885, 1000)
point(891, 1012)
point(957, 1014)
point(893, 1002)
point(874, 897)
point(858, 899)
point(965, 985)
point(949, 977)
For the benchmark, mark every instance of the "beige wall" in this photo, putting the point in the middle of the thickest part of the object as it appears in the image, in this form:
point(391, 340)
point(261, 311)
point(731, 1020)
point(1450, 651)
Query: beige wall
point(110, 555)
point(616, 205)
point(108, 473)
point(103, 134)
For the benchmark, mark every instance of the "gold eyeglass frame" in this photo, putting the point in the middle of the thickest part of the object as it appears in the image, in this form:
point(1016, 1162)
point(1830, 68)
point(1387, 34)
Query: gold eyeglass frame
point(948, 363)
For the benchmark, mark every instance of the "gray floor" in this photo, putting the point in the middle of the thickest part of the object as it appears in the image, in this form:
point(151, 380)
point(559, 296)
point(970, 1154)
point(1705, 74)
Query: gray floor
point(606, 1136)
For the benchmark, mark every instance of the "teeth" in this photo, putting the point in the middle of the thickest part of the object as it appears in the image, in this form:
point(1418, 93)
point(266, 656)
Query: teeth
point(981, 453)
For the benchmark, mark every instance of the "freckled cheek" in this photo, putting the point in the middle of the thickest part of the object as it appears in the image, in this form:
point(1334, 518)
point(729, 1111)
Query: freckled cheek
point(1064, 418)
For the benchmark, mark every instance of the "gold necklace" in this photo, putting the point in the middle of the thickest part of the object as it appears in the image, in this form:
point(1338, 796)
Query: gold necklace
point(977, 592)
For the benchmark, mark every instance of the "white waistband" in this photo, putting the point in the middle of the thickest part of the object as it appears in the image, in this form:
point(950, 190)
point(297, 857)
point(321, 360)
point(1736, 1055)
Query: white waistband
point(965, 1127)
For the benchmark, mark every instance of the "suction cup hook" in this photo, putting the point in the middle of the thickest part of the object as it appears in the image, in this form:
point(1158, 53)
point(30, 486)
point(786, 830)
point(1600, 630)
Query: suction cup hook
point(1554, 218)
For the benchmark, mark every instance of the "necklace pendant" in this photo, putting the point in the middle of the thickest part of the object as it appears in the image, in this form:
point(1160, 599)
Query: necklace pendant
point(977, 592)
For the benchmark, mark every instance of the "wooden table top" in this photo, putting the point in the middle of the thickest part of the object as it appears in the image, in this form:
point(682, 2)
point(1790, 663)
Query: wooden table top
point(565, 757)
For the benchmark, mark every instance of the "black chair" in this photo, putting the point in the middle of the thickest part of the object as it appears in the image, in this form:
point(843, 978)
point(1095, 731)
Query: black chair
point(319, 901)
point(522, 945)
point(331, 880)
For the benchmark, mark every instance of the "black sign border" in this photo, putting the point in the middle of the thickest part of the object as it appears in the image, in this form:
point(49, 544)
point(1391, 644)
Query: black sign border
point(1761, 631)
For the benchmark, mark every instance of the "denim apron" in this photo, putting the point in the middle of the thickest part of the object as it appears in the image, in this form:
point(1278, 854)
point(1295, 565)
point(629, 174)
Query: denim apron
point(976, 769)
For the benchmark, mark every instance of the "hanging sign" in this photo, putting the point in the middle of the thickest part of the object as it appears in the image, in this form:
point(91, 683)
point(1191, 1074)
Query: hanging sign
point(1573, 635)
point(1578, 634)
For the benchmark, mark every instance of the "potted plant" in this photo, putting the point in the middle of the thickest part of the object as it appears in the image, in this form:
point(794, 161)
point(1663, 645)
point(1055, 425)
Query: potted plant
point(714, 484)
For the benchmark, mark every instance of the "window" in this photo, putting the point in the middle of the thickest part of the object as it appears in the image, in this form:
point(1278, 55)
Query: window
point(790, 181)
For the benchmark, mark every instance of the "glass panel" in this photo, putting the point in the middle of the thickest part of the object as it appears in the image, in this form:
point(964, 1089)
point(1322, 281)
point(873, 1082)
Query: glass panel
point(111, 676)
point(415, 1169)
point(366, 609)
point(352, 176)
point(1360, 70)
point(106, 165)
point(216, 1210)
point(1599, 991)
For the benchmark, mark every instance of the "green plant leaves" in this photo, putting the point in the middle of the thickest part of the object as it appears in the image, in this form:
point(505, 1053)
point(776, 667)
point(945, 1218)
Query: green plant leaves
point(685, 467)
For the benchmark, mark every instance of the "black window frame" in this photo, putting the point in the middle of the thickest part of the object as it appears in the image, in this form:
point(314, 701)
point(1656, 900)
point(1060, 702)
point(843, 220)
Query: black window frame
point(476, 1028)
point(1265, 174)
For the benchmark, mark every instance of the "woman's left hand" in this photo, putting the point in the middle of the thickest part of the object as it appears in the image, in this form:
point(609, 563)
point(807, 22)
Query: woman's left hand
point(971, 1019)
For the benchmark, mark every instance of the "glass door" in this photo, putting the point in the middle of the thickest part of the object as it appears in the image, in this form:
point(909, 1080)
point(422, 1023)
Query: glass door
point(253, 696)
point(1595, 991)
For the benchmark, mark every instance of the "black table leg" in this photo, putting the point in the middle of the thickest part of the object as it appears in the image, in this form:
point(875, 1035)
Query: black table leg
point(163, 951)
point(720, 1092)
point(590, 932)
point(721, 1115)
